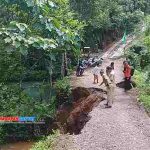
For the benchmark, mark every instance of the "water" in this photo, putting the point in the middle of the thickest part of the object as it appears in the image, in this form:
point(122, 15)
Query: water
point(37, 90)
point(17, 146)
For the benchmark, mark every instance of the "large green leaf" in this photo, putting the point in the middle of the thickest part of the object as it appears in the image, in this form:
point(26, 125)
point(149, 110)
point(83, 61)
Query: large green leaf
point(16, 44)
point(23, 50)
point(8, 40)
point(52, 4)
point(30, 3)
point(10, 49)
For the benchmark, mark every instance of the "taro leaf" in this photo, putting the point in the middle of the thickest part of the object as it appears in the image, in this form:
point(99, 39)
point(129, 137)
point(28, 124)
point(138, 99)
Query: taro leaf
point(68, 47)
point(40, 41)
point(7, 1)
point(59, 32)
point(42, 19)
point(23, 50)
point(22, 26)
point(30, 3)
point(52, 57)
point(13, 23)
point(31, 40)
point(52, 45)
point(51, 4)
point(16, 44)
point(9, 49)
point(49, 26)
point(8, 40)
point(36, 42)
point(36, 45)
point(20, 38)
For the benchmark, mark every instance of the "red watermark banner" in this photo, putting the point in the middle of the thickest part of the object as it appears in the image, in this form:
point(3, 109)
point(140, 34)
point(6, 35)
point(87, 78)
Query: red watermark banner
point(9, 118)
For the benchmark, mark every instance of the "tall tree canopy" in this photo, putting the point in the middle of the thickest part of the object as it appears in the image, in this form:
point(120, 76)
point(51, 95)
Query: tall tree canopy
point(108, 19)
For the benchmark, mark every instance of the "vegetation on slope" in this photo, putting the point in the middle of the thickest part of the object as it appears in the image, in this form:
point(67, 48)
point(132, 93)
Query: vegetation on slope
point(139, 55)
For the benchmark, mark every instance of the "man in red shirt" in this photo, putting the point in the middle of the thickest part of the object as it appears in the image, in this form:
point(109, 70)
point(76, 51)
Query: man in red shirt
point(127, 75)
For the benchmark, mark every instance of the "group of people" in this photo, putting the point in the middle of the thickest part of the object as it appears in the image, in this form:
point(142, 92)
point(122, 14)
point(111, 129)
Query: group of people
point(87, 63)
point(108, 79)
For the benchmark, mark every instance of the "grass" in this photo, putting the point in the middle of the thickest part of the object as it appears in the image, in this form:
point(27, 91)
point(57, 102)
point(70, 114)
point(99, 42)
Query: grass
point(144, 89)
point(47, 143)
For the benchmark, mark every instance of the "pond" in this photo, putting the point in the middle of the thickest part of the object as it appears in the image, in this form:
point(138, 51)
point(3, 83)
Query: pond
point(37, 90)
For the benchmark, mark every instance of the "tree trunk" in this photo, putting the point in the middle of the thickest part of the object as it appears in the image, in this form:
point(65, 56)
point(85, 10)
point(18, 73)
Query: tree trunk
point(50, 79)
point(64, 66)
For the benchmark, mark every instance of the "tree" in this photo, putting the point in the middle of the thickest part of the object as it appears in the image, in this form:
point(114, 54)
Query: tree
point(107, 19)
point(42, 30)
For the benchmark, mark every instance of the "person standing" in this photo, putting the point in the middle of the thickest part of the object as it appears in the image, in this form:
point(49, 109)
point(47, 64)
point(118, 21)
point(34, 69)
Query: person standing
point(96, 72)
point(111, 74)
point(110, 69)
point(112, 65)
point(110, 89)
point(80, 69)
point(127, 76)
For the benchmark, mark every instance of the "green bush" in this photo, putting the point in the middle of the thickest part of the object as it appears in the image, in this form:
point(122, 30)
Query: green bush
point(14, 102)
point(139, 79)
point(47, 143)
point(36, 75)
point(144, 88)
point(145, 100)
point(63, 91)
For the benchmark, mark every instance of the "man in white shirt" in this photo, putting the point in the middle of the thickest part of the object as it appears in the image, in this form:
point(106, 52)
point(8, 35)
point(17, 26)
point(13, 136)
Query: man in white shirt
point(96, 72)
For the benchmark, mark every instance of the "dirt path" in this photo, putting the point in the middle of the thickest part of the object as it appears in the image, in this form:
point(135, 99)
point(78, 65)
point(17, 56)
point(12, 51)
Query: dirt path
point(123, 127)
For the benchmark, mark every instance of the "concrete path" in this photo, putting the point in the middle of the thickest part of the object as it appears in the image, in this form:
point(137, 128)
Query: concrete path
point(125, 126)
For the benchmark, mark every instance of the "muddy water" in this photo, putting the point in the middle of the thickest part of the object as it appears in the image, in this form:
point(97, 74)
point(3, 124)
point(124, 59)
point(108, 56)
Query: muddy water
point(17, 146)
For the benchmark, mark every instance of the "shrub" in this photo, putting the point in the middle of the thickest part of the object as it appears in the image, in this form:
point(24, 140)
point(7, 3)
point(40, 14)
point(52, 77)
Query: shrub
point(47, 143)
point(63, 91)
point(144, 89)
point(14, 102)
point(36, 75)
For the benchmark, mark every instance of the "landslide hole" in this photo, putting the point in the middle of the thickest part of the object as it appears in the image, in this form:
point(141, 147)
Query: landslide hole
point(71, 118)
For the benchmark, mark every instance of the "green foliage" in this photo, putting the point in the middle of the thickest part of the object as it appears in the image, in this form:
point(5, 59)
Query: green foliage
point(47, 143)
point(139, 54)
point(10, 67)
point(63, 85)
point(63, 91)
point(50, 25)
point(33, 36)
point(47, 27)
point(36, 75)
point(107, 20)
point(144, 89)
point(14, 102)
